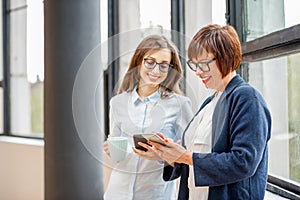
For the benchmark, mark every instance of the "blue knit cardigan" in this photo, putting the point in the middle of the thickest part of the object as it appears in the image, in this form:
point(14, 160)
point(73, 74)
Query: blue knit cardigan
point(237, 168)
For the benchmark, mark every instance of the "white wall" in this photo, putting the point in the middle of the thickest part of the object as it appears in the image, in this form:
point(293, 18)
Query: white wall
point(21, 169)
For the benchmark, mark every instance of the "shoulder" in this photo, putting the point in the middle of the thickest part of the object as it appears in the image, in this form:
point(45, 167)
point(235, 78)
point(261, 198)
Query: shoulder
point(179, 99)
point(247, 97)
point(176, 102)
point(119, 98)
point(246, 92)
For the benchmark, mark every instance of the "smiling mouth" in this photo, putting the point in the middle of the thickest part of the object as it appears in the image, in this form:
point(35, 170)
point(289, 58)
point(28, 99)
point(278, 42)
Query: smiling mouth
point(205, 80)
point(153, 78)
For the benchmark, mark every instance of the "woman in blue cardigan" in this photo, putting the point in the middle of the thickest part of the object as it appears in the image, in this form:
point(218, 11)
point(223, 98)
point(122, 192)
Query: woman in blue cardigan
point(234, 124)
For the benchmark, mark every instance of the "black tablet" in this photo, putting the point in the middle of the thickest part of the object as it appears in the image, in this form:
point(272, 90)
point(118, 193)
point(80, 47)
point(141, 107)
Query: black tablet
point(144, 138)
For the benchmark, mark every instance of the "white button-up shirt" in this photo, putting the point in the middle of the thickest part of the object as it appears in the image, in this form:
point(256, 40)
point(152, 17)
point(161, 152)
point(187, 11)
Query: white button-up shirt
point(198, 140)
point(135, 177)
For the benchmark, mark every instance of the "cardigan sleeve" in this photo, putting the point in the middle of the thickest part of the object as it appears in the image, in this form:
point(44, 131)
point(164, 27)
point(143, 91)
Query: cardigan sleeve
point(241, 144)
point(171, 173)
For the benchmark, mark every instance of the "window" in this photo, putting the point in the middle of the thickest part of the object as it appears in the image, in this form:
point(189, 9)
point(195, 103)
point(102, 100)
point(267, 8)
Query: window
point(23, 69)
point(264, 17)
point(276, 80)
point(25, 66)
point(271, 64)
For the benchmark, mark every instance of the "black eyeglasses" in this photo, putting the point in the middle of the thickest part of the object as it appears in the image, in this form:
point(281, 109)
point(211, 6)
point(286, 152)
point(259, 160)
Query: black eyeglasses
point(151, 63)
point(203, 66)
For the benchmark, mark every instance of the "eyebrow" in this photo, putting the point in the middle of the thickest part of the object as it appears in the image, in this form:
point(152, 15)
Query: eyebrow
point(164, 61)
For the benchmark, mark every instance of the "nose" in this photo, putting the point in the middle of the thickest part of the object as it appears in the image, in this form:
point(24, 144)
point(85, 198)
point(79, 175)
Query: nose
point(156, 69)
point(199, 71)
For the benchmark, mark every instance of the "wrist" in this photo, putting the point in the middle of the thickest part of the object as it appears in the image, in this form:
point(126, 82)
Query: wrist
point(186, 158)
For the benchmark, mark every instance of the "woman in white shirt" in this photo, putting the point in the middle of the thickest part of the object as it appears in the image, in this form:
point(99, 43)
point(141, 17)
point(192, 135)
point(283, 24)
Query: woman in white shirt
point(149, 100)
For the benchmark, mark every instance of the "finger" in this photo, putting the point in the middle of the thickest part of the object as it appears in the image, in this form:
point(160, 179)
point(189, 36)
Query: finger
point(107, 152)
point(105, 144)
point(156, 145)
point(168, 141)
point(105, 148)
point(135, 150)
point(160, 135)
point(146, 146)
point(139, 152)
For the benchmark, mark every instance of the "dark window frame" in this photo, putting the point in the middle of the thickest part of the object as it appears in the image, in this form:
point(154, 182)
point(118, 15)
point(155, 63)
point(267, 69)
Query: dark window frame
point(111, 74)
point(5, 83)
point(276, 44)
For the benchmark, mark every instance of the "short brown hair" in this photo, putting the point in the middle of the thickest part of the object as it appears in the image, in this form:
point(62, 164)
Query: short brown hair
point(149, 44)
point(223, 42)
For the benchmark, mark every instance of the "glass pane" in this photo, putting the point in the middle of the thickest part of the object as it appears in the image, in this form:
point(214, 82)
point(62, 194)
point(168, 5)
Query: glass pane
point(26, 65)
point(278, 81)
point(149, 16)
point(145, 18)
point(263, 17)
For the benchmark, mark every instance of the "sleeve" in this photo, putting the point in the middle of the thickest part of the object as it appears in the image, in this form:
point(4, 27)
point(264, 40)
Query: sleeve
point(185, 114)
point(115, 130)
point(244, 137)
point(114, 125)
point(171, 173)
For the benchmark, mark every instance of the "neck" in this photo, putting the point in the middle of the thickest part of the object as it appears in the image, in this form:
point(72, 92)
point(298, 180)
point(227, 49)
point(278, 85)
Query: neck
point(227, 79)
point(146, 90)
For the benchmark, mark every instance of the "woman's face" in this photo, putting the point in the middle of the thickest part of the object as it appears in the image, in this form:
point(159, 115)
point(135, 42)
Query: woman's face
point(212, 79)
point(154, 76)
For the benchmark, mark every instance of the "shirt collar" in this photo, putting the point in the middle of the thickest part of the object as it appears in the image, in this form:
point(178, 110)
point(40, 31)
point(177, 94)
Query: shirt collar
point(153, 98)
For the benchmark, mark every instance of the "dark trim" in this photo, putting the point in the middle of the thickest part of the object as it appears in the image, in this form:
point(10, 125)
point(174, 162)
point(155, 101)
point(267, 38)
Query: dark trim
point(276, 44)
point(17, 9)
point(234, 16)
point(235, 11)
point(112, 72)
point(6, 67)
point(283, 187)
point(106, 102)
point(23, 136)
point(178, 32)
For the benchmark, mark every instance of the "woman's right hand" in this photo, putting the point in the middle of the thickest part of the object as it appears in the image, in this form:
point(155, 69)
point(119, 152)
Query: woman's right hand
point(105, 146)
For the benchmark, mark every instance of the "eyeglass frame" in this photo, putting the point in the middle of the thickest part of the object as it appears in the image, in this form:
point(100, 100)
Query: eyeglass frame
point(200, 63)
point(159, 65)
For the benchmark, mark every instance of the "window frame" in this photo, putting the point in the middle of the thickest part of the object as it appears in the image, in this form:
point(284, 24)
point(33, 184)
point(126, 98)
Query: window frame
point(276, 44)
point(6, 82)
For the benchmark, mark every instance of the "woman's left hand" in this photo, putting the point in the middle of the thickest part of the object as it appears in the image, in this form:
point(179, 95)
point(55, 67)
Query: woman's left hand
point(150, 154)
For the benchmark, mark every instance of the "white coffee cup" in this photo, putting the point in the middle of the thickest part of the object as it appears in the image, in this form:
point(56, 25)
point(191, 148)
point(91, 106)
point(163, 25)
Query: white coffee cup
point(117, 147)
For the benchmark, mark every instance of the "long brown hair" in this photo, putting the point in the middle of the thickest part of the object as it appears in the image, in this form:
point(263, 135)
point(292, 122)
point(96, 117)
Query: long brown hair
point(147, 45)
point(223, 42)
